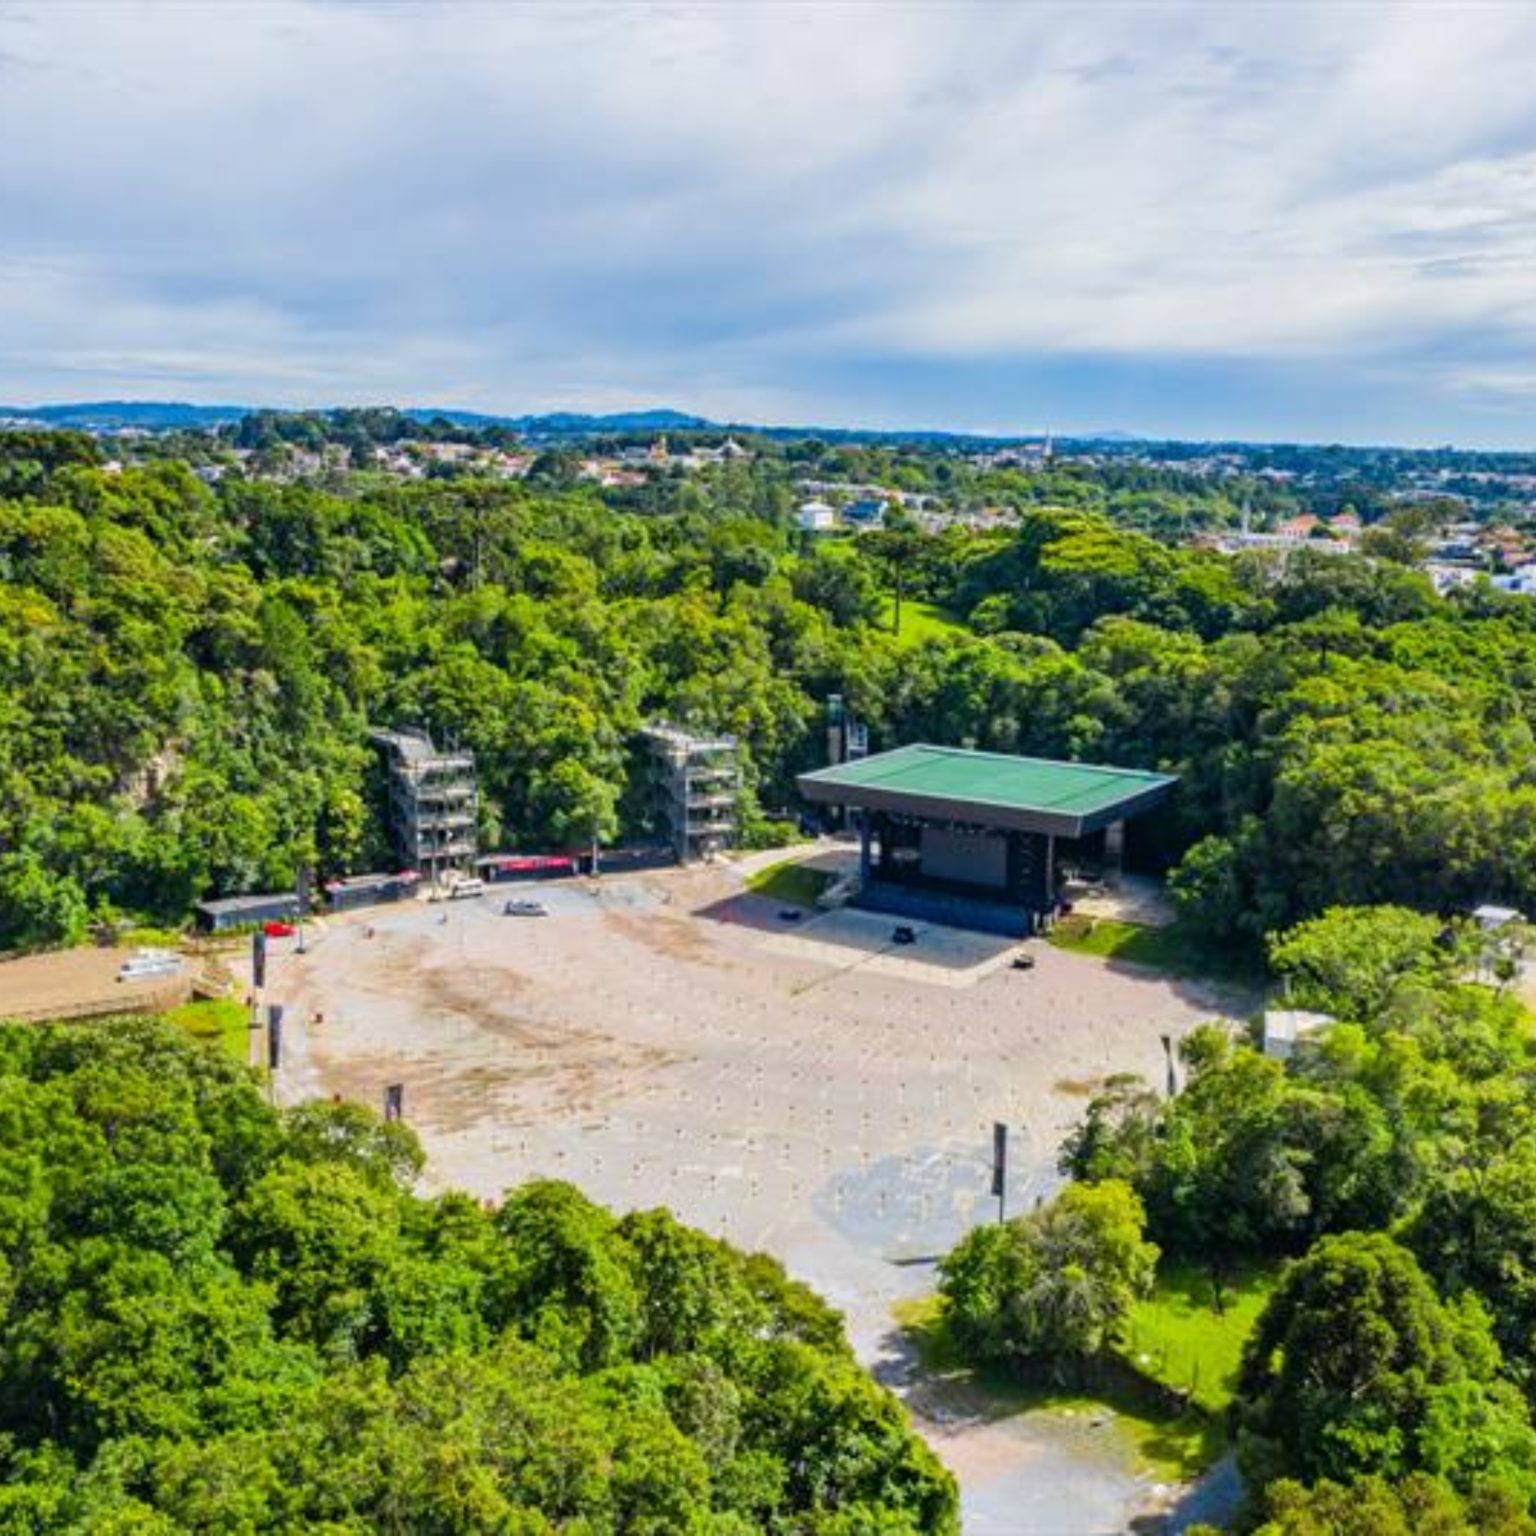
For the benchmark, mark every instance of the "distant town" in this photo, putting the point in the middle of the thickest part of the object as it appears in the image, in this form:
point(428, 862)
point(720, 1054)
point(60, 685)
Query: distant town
point(1460, 515)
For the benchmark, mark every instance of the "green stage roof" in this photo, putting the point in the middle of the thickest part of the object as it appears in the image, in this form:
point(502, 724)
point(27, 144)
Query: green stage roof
point(1031, 794)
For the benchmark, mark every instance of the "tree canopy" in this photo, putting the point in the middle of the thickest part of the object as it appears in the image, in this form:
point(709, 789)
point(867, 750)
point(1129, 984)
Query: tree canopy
point(215, 1316)
point(1358, 1368)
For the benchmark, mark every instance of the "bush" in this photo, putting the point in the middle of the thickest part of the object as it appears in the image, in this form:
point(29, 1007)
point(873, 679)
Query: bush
point(1050, 1288)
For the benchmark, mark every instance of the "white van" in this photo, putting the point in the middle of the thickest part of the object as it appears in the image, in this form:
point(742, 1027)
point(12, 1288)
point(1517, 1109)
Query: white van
point(472, 886)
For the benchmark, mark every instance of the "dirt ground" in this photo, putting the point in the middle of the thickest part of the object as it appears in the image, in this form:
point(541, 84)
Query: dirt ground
point(803, 1087)
point(75, 983)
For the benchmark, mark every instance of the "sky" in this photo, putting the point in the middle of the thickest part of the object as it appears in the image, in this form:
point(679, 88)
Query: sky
point(1303, 222)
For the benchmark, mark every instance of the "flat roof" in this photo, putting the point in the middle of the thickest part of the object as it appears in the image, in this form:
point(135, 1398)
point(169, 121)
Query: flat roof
point(247, 903)
point(373, 880)
point(417, 748)
point(1028, 794)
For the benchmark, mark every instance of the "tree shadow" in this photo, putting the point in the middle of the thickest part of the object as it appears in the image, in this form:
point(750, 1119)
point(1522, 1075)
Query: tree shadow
point(1215, 1498)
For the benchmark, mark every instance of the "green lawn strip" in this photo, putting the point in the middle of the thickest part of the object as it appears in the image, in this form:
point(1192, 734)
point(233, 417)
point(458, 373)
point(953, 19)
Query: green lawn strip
point(921, 622)
point(1162, 1442)
point(1172, 949)
point(220, 1020)
point(796, 884)
point(149, 938)
point(1178, 1338)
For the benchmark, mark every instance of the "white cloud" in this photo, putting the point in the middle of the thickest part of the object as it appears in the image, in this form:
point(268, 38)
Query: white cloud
point(514, 205)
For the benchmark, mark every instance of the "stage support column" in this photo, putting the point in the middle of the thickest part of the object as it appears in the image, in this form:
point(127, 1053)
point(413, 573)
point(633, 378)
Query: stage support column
point(1114, 849)
point(866, 860)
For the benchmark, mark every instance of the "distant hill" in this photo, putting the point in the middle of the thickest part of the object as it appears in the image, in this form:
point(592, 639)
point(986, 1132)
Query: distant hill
point(114, 415)
point(575, 423)
point(170, 415)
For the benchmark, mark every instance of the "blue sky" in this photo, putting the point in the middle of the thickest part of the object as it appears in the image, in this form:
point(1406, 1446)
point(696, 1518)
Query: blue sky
point(1310, 221)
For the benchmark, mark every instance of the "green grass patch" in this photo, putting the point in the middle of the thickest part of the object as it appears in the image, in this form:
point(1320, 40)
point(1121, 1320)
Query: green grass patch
point(794, 884)
point(149, 938)
point(1162, 1443)
point(220, 1020)
point(1174, 949)
point(1178, 1337)
point(922, 622)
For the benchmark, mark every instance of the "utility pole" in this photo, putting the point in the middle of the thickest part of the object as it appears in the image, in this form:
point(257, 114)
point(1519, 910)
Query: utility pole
point(1000, 1168)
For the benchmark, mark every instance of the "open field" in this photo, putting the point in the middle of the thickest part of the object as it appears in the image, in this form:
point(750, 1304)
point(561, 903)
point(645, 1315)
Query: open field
point(922, 622)
point(804, 1088)
point(1178, 1336)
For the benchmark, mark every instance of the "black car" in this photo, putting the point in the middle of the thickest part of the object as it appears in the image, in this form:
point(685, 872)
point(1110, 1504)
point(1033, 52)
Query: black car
point(903, 935)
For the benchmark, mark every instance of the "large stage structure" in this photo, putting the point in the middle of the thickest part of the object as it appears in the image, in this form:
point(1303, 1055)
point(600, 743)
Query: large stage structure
point(980, 838)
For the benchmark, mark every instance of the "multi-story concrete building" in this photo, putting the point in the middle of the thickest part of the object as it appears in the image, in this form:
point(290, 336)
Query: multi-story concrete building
point(433, 803)
point(696, 790)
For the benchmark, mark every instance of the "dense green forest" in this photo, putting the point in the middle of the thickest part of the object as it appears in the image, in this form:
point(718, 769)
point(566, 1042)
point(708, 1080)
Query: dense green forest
point(216, 1317)
point(188, 674)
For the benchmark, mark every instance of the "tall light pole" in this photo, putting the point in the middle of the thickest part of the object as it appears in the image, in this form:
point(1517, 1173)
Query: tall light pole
point(1000, 1168)
point(1173, 1081)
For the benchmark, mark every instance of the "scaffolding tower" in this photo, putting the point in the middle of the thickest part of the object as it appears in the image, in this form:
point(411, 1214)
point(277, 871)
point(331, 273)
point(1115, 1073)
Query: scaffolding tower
point(433, 803)
point(696, 790)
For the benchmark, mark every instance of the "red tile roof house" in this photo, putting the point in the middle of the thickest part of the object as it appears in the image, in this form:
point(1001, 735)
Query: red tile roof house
point(1297, 527)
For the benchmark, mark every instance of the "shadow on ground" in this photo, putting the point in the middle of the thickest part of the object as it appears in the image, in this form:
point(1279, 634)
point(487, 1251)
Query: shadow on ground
point(850, 936)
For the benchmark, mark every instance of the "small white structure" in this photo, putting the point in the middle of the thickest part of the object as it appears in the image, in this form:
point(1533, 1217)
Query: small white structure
point(1503, 945)
point(1287, 1028)
point(1490, 918)
point(1522, 582)
point(1446, 577)
point(816, 517)
point(150, 965)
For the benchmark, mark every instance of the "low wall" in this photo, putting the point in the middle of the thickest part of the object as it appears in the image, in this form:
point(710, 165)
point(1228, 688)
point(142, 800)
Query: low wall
point(130, 997)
